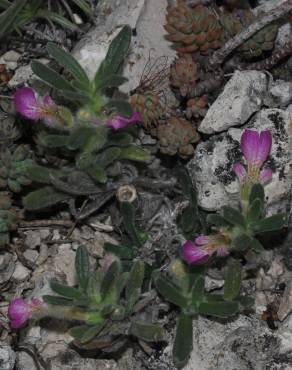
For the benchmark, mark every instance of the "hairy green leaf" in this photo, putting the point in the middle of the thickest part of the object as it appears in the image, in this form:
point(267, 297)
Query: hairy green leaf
point(170, 292)
point(233, 216)
point(82, 267)
point(232, 280)
point(65, 291)
point(218, 309)
point(183, 341)
point(42, 198)
point(146, 332)
point(272, 223)
point(66, 60)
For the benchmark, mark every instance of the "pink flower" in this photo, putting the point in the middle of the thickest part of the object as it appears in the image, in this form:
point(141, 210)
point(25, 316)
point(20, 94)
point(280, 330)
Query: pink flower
point(19, 311)
point(29, 106)
point(120, 122)
point(256, 149)
point(199, 251)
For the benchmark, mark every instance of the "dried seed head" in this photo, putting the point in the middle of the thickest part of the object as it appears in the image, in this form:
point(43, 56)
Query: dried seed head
point(127, 193)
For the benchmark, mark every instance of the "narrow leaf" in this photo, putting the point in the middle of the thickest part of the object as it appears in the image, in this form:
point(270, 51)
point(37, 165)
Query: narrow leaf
point(136, 278)
point(92, 332)
point(170, 292)
point(110, 278)
point(134, 153)
point(50, 76)
point(65, 291)
point(233, 216)
point(256, 246)
point(232, 280)
point(257, 192)
point(183, 341)
point(273, 223)
point(242, 242)
point(198, 290)
point(42, 198)
point(8, 16)
point(146, 332)
point(119, 250)
point(68, 62)
point(218, 309)
point(58, 301)
point(255, 211)
point(217, 220)
point(82, 267)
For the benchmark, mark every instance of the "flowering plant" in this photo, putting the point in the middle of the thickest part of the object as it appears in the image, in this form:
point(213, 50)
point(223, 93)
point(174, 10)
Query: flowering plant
point(97, 136)
point(105, 303)
point(236, 230)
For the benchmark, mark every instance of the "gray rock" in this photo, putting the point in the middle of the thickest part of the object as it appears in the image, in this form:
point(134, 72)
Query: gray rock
point(7, 267)
point(20, 273)
point(7, 357)
point(279, 94)
point(243, 343)
point(146, 17)
point(10, 58)
point(285, 335)
point(30, 255)
point(242, 96)
point(33, 239)
point(285, 307)
point(212, 164)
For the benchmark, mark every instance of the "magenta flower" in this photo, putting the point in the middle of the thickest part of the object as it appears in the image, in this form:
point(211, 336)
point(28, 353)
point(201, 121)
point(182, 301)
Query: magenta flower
point(199, 251)
point(28, 105)
point(19, 311)
point(256, 149)
point(120, 122)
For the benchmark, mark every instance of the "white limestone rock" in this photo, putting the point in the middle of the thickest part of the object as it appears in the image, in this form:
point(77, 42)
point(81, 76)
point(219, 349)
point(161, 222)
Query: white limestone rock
point(279, 94)
point(146, 17)
point(242, 343)
point(212, 164)
point(7, 357)
point(242, 96)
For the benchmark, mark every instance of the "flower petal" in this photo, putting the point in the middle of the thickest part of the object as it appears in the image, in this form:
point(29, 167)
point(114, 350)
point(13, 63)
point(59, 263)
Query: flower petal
point(222, 251)
point(264, 147)
point(202, 240)
point(266, 176)
point(250, 142)
point(120, 122)
point(18, 312)
point(240, 171)
point(48, 101)
point(26, 103)
point(193, 254)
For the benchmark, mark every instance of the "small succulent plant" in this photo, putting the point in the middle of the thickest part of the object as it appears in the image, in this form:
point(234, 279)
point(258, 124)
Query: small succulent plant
point(184, 74)
point(193, 29)
point(261, 42)
point(150, 106)
point(14, 164)
point(106, 303)
point(177, 137)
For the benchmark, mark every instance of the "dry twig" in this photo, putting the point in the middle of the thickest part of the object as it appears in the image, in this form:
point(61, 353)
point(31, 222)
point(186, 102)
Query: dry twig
point(219, 56)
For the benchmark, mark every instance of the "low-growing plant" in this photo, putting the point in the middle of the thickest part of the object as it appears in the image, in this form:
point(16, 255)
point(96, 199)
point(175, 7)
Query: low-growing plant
point(106, 303)
point(89, 140)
